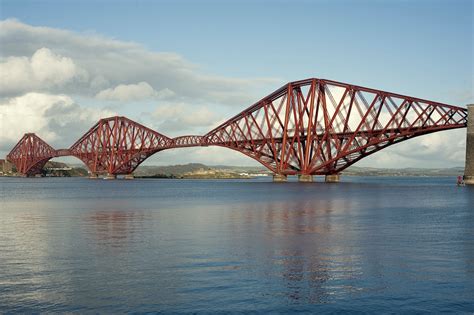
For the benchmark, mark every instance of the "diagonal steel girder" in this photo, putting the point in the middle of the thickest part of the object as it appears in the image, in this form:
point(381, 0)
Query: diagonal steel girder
point(308, 127)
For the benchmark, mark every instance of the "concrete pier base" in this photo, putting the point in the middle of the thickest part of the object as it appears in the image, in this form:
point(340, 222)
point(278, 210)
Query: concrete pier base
point(334, 178)
point(305, 178)
point(280, 178)
point(93, 176)
point(129, 176)
point(110, 176)
point(468, 180)
point(469, 169)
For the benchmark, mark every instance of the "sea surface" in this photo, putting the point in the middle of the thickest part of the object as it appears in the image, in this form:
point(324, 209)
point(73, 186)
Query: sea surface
point(367, 244)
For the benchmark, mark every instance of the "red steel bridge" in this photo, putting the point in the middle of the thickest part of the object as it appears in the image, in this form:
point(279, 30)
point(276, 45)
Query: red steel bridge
point(308, 127)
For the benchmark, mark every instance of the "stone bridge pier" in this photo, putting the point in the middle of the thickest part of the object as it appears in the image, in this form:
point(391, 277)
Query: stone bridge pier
point(469, 169)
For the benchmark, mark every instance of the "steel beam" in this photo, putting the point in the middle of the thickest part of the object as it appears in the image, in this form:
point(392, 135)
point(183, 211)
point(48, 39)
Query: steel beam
point(308, 127)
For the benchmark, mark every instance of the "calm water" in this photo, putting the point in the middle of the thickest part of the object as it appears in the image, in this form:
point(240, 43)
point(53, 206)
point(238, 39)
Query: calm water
point(366, 244)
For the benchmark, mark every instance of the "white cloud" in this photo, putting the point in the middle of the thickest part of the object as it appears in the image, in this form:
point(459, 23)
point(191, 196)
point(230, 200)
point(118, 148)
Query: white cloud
point(180, 119)
point(43, 70)
point(54, 118)
point(116, 65)
point(133, 92)
point(201, 116)
point(440, 149)
point(212, 155)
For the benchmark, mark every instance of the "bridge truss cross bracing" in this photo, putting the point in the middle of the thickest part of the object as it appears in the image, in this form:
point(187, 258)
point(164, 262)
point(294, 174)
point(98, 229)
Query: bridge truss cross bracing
point(306, 127)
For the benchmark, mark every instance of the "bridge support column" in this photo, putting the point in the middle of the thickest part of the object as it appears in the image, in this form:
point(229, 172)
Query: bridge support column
point(280, 178)
point(305, 178)
point(110, 176)
point(333, 178)
point(469, 169)
point(129, 176)
point(93, 176)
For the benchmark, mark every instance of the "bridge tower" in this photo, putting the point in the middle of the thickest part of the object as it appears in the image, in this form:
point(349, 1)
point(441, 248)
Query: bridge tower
point(469, 169)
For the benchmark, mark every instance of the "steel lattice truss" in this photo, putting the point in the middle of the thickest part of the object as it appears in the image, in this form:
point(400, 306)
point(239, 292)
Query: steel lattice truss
point(117, 145)
point(307, 127)
point(188, 141)
point(321, 127)
point(30, 154)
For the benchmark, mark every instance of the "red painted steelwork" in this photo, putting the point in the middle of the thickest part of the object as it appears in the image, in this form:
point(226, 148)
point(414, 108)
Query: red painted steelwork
point(117, 145)
point(318, 126)
point(30, 154)
point(307, 127)
point(188, 141)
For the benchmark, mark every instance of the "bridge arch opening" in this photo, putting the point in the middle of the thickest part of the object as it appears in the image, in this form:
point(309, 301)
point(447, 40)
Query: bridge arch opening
point(208, 155)
point(430, 150)
point(65, 166)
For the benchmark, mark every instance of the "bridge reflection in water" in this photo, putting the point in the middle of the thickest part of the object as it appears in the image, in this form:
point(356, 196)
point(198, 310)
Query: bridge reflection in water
point(309, 127)
point(190, 246)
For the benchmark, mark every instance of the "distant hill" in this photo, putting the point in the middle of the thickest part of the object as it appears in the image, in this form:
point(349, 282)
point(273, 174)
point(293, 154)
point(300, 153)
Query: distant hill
point(58, 169)
point(179, 170)
point(371, 171)
point(192, 169)
point(253, 169)
point(170, 170)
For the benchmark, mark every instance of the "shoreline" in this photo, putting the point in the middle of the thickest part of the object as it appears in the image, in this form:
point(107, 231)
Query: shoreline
point(251, 177)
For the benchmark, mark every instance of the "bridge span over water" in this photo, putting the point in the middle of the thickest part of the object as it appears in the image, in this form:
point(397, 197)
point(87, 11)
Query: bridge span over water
point(309, 127)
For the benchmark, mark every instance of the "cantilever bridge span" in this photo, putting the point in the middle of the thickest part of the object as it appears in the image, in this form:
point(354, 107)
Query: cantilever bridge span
point(308, 127)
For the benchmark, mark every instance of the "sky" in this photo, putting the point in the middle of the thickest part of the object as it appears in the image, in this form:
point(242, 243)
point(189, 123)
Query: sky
point(183, 67)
